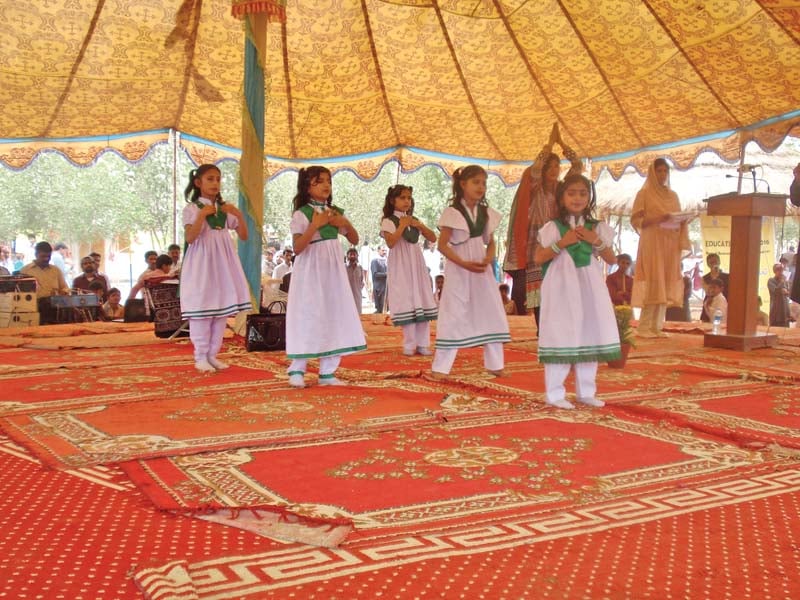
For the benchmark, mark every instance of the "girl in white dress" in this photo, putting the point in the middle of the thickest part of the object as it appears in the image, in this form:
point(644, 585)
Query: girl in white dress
point(213, 284)
point(578, 325)
point(470, 310)
point(321, 317)
point(411, 302)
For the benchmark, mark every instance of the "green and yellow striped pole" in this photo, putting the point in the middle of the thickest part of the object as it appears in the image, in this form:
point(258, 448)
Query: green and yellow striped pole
point(255, 15)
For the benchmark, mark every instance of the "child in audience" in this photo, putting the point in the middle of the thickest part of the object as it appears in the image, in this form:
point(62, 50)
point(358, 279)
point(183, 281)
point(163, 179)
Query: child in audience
point(213, 284)
point(508, 304)
point(98, 288)
point(112, 309)
point(411, 302)
point(578, 325)
point(470, 312)
point(321, 320)
point(619, 283)
point(714, 300)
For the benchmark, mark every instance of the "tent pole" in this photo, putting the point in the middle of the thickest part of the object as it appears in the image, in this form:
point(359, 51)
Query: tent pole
point(251, 164)
point(173, 134)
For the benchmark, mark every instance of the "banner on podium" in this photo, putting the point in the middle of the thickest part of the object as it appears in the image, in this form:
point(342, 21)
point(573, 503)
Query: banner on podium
point(716, 232)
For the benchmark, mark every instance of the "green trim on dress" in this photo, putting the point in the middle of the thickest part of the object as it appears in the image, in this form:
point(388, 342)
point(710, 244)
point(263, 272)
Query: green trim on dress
point(330, 352)
point(419, 315)
point(580, 354)
point(471, 342)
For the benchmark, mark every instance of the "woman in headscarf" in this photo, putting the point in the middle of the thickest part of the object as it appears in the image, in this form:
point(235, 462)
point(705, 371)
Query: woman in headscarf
point(534, 205)
point(658, 280)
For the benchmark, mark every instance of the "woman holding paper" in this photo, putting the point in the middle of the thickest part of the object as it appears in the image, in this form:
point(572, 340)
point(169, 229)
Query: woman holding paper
point(663, 234)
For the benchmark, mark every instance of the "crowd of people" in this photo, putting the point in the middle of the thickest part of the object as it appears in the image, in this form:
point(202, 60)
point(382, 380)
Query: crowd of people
point(53, 270)
point(555, 254)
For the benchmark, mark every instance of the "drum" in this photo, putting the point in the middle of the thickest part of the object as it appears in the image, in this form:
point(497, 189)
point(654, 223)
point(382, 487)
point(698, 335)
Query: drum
point(165, 304)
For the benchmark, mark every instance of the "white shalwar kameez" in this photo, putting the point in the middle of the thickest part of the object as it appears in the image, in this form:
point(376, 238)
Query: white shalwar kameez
point(321, 318)
point(409, 290)
point(213, 284)
point(471, 311)
point(577, 322)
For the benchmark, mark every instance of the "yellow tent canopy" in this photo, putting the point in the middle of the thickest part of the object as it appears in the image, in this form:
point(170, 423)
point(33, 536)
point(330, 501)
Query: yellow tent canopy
point(415, 80)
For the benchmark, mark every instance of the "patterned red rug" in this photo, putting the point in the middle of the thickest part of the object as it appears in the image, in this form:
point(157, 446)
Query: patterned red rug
point(449, 472)
point(236, 411)
point(753, 416)
point(466, 486)
point(723, 538)
point(81, 534)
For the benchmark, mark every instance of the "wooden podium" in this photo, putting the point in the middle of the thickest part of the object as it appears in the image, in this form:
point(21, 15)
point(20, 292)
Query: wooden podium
point(745, 211)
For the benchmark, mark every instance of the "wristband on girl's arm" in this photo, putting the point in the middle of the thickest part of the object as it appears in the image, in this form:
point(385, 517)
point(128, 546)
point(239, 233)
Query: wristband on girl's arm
point(554, 247)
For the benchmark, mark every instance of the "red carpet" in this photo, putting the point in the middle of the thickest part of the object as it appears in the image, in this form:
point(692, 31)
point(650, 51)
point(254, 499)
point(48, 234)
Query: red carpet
point(82, 534)
point(710, 541)
point(752, 416)
point(485, 465)
point(686, 485)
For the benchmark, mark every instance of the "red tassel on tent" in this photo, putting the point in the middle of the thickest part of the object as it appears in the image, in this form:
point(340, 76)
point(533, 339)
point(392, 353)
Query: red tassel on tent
point(276, 9)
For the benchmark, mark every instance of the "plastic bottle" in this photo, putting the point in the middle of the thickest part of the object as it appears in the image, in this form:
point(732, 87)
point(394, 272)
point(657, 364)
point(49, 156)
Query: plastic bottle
point(715, 325)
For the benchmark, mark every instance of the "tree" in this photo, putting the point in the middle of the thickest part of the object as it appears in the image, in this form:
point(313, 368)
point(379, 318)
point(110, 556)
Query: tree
point(56, 200)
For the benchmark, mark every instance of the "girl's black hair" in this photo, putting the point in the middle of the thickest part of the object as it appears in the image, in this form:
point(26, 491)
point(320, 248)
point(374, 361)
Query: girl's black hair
point(392, 194)
point(192, 189)
point(462, 174)
point(588, 212)
point(305, 178)
point(549, 160)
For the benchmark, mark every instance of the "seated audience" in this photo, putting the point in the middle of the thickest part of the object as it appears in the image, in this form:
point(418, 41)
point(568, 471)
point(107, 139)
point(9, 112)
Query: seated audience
point(508, 304)
point(174, 251)
point(97, 258)
point(88, 277)
point(161, 272)
point(282, 268)
point(619, 283)
point(112, 309)
point(715, 300)
point(716, 272)
point(151, 256)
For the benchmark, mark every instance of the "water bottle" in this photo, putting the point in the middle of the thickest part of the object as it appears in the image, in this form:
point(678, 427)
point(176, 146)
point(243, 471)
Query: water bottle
point(716, 322)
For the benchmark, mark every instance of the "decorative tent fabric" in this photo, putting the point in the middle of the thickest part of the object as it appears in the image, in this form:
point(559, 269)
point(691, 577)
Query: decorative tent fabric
point(464, 78)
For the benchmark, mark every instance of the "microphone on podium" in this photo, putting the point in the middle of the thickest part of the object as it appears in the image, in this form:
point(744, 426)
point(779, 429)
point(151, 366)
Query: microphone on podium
point(755, 179)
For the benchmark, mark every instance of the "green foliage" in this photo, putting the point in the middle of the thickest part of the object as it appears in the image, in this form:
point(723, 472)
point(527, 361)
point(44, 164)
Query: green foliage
point(55, 200)
point(279, 193)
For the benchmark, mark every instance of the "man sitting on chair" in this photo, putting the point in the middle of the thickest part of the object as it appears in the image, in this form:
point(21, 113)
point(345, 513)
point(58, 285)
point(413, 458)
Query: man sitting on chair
point(89, 276)
point(49, 280)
